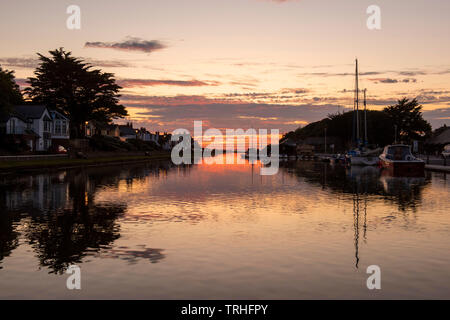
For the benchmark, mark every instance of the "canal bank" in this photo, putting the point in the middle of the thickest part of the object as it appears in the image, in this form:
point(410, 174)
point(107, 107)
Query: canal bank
point(434, 167)
point(436, 163)
point(11, 166)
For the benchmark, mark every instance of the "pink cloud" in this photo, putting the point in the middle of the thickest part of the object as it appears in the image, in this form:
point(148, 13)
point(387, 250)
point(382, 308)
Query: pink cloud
point(133, 83)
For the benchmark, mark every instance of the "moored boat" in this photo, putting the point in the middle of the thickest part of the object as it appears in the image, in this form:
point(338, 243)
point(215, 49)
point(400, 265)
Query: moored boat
point(399, 161)
point(361, 155)
point(356, 158)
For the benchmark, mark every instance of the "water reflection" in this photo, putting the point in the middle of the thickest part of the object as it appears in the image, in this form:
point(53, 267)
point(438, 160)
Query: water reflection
point(362, 183)
point(359, 207)
point(369, 181)
point(58, 216)
point(132, 256)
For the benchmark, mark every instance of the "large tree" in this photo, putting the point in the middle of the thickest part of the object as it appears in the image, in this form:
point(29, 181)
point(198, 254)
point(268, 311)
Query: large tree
point(9, 91)
point(71, 86)
point(406, 115)
point(380, 129)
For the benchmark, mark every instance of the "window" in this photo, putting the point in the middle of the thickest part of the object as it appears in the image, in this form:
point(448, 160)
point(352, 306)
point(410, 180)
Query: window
point(12, 128)
point(64, 127)
point(57, 127)
point(47, 126)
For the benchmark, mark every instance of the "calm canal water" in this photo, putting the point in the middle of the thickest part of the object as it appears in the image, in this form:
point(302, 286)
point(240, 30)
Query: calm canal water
point(157, 231)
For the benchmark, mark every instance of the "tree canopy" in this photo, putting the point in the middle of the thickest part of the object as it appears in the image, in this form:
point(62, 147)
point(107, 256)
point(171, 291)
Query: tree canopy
point(70, 85)
point(380, 128)
point(407, 116)
point(9, 91)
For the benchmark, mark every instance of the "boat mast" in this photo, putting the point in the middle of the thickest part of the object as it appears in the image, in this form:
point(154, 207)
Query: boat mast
point(365, 118)
point(357, 103)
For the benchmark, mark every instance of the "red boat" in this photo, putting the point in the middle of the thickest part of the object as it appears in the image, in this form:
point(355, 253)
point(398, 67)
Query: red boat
point(398, 160)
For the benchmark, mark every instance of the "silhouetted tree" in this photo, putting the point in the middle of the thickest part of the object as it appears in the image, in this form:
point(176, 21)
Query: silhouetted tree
point(71, 86)
point(9, 91)
point(407, 116)
point(380, 128)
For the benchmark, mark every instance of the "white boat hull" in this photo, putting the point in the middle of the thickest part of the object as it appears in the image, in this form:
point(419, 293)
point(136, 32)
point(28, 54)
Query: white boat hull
point(363, 161)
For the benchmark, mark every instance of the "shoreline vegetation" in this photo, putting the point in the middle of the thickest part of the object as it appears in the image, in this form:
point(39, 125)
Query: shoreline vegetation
point(67, 163)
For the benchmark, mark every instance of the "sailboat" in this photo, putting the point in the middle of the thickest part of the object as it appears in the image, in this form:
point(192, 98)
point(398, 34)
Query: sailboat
point(361, 155)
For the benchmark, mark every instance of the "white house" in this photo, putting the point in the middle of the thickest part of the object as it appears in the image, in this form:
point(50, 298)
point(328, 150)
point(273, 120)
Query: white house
point(37, 119)
point(145, 135)
point(60, 126)
point(39, 127)
point(19, 127)
point(127, 132)
point(61, 130)
point(16, 125)
point(98, 128)
point(155, 137)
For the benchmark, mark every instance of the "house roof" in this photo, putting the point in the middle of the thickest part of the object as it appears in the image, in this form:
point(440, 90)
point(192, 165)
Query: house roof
point(143, 130)
point(442, 138)
point(13, 114)
point(104, 126)
point(30, 111)
point(127, 131)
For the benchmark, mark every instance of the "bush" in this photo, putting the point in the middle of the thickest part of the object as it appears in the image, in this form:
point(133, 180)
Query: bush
point(10, 145)
point(105, 143)
point(143, 145)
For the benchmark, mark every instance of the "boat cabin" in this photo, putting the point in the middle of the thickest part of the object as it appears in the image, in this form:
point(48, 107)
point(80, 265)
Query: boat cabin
point(398, 152)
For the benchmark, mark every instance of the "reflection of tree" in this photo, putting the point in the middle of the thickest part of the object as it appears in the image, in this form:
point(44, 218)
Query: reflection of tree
point(64, 223)
point(8, 221)
point(132, 256)
point(64, 237)
point(8, 235)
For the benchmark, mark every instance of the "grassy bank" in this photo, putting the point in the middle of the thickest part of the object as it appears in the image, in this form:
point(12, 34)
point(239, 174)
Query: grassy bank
point(69, 163)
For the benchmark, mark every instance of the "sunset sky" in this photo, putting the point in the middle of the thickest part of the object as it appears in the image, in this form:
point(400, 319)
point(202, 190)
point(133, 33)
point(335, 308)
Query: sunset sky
point(243, 63)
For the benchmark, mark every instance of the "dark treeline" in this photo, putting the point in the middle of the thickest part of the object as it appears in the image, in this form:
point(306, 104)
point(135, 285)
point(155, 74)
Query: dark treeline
point(404, 118)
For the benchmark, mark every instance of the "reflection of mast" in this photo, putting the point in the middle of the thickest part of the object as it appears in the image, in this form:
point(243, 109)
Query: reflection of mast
point(357, 201)
point(252, 171)
point(365, 218)
point(356, 225)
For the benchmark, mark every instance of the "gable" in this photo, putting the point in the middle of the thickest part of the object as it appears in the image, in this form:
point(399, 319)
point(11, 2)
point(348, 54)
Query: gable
point(55, 115)
point(46, 115)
